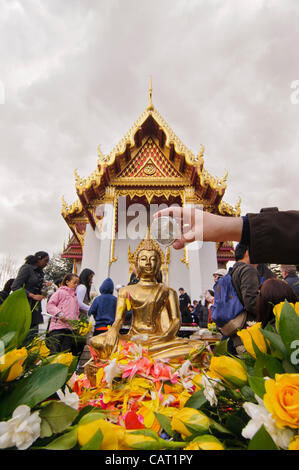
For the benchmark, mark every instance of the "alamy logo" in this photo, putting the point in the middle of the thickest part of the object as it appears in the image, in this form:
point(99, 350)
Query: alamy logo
point(294, 357)
point(132, 219)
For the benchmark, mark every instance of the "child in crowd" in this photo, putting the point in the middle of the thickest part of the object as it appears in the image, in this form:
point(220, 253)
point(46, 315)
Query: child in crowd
point(103, 307)
point(63, 306)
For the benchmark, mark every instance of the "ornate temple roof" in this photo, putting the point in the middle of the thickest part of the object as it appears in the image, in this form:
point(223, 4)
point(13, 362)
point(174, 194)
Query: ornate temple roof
point(73, 249)
point(149, 160)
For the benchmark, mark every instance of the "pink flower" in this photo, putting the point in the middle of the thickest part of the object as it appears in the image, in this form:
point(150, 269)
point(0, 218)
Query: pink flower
point(143, 365)
point(161, 371)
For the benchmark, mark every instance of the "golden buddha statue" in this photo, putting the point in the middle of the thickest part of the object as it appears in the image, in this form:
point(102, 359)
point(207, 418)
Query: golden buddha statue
point(155, 309)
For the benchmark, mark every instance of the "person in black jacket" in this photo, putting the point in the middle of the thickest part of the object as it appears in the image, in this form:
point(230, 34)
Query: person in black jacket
point(6, 290)
point(31, 277)
point(184, 300)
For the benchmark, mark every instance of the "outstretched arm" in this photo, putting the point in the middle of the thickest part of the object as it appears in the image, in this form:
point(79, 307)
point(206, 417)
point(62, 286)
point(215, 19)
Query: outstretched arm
point(203, 225)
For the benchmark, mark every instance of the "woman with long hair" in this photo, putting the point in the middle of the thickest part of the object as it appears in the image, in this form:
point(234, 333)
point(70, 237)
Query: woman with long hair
point(63, 306)
point(83, 290)
point(273, 291)
point(31, 277)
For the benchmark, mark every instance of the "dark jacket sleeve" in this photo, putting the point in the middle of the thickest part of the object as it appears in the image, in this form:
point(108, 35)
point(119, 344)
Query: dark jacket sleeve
point(22, 278)
point(274, 236)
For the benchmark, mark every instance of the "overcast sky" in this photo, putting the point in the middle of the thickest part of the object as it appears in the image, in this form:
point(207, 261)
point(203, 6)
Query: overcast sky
point(75, 74)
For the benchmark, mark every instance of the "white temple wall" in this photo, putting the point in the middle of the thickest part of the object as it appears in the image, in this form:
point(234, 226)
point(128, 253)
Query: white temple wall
point(91, 249)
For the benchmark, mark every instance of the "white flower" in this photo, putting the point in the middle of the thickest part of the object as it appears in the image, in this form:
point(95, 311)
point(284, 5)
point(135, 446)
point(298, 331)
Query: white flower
point(168, 400)
point(184, 370)
point(142, 338)
point(188, 384)
point(136, 350)
point(209, 388)
point(112, 371)
point(260, 416)
point(69, 398)
point(21, 430)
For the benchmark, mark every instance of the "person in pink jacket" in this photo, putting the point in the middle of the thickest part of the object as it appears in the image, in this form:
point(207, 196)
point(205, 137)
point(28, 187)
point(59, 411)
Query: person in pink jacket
point(63, 306)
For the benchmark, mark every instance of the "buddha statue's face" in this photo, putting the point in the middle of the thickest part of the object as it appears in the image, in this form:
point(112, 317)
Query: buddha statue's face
point(148, 263)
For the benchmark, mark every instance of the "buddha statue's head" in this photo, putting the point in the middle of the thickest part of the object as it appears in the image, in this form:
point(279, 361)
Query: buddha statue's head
point(148, 259)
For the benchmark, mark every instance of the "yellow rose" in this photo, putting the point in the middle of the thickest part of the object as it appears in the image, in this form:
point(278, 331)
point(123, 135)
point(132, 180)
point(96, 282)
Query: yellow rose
point(277, 309)
point(251, 334)
point(111, 433)
point(63, 358)
point(149, 419)
point(14, 360)
point(228, 369)
point(282, 399)
point(294, 444)
point(205, 442)
point(40, 347)
point(131, 441)
point(197, 380)
point(190, 417)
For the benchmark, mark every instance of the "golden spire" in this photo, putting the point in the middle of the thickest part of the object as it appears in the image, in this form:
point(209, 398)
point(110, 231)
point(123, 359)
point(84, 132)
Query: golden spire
point(64, 204)
point(150, 94)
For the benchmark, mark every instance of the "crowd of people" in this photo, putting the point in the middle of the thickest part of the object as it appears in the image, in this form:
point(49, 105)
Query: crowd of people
point(256, 286)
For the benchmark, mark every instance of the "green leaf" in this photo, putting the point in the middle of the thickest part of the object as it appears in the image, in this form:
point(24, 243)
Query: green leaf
point(221, 348)
point(267, 365)
point(235, 424)
point(288, 367)
point(85, 410)
point(72, 367)
point(196, 429)
point(262, 441)
point(95, 442)
point(247, 392)
point(35, 388)
point(15, 315)
point(197, 400)
point(65, 442)
point(165, 423)
point(58, 415)
point(276, 342)
point(146, 432)
point(258, 385)
point(45, 429)
point(91, 416)
point(8, 341)
point(289, 329)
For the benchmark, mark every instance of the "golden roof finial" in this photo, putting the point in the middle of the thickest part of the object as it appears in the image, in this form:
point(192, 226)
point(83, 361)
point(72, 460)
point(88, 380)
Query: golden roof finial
point(238, 207)
point(77, 177)
point(64, 204)
point(224, 177)
point(150, 95)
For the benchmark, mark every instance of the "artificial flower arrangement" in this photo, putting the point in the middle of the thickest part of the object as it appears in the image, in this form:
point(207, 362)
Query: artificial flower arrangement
point(207, 401)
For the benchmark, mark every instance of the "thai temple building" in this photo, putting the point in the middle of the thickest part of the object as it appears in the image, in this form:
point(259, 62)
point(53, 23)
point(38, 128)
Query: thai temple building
point(150, 168)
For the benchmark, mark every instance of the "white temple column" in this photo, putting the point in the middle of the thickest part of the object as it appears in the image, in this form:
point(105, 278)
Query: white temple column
point(105, 240)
